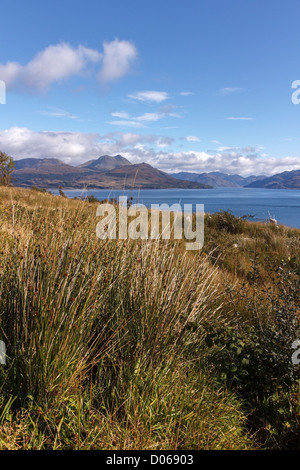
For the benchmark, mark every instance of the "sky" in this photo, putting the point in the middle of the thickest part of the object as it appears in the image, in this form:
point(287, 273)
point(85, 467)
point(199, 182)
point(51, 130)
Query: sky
point(184, 85)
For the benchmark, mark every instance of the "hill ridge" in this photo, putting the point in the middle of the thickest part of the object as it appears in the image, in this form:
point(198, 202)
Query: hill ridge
point(104, 172)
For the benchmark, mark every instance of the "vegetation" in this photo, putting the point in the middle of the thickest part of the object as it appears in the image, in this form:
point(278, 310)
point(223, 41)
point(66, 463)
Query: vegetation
point(6, 168)
point(61, 192)
point(143, 345)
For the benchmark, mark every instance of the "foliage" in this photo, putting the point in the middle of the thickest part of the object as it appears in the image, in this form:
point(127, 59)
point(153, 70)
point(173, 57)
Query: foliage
point(97, 334)
point(91, 199)
point(254, 358)
point(41, 190)
point(226, 221)
point(143, 345)
point(6, 168)
point(61, 192)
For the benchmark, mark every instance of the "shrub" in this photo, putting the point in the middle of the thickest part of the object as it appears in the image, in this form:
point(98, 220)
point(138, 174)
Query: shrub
point(91, 199)
point(226, 222)
point(254, 358)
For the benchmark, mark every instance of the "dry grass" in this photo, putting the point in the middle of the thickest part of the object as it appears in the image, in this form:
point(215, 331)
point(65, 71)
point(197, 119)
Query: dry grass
point(104, 338)
point(107, 340)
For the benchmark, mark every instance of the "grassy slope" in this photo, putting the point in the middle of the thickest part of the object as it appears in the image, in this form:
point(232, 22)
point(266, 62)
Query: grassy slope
point(116, 344)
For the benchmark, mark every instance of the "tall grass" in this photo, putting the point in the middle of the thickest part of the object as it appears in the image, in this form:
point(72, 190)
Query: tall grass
point(104, 338)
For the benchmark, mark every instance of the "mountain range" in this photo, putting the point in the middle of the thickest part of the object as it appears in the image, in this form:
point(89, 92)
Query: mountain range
point(217, 179)
point(106, 172)
point(285, 180)
point(117, 172)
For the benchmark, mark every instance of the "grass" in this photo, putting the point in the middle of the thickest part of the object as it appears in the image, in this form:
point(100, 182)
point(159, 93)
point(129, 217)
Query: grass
point(127, 344)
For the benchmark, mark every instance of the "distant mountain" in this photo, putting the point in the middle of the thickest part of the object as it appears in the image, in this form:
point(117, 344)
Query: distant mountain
point(285, 180)
point(106, 163)
point(43, 166)
point(144, 175)
point(105, 172)
point(251, 179)
point(41, 172)
point(217, 179)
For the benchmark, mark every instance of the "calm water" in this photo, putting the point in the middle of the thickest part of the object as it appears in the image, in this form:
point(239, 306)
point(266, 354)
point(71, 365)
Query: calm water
point(282, 204)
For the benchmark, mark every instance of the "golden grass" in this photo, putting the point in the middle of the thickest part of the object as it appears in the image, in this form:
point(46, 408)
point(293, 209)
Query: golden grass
point(106, 339)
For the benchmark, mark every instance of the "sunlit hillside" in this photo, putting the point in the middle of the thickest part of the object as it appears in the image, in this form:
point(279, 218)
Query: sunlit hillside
point(119, 344)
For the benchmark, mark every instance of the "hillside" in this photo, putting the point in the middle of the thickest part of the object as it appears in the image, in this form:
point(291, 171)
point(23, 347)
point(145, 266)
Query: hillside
point(285, 180)
point(106, 163)
point(104, 172)
point(130, 344)
point(217, 179)
point(143, 175)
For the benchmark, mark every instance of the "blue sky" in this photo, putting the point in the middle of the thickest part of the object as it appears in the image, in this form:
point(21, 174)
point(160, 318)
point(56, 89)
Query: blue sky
point(187, 85)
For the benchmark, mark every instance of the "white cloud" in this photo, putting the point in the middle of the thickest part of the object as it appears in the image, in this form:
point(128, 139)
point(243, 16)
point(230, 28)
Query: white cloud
point(118, 58)
point(150, 117)
point(75, 148)
point(150, 96)
point(146, 117)
point(186, 93)
point(126, 123)
point(70, 147)
point(230, 91)
point(232, 163)
point(120, 114)
point(224, 149)
point(54, 64)
point(249, 149)
point(131, 140)
point(62, 61)
point(192, 138)
point(239, 118)
point(59, 113)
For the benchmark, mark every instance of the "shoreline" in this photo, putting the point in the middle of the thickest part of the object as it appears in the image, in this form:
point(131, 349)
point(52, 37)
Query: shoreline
point(212, 204)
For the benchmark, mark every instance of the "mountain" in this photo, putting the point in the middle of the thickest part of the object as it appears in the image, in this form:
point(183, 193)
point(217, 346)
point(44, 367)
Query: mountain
point(143, 175)
point(106, 163)
point(103, 173)
point(43, 166)
point(285, 180)
point(251, 179)
point(217, 179)
point(43, 171)
point(211, 179)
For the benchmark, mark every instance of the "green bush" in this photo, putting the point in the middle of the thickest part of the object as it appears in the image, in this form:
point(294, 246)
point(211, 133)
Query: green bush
point(254, 357)
point(227, 222)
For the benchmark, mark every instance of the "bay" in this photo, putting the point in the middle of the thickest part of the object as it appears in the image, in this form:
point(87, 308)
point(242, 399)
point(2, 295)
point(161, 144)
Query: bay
point(282, 204)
